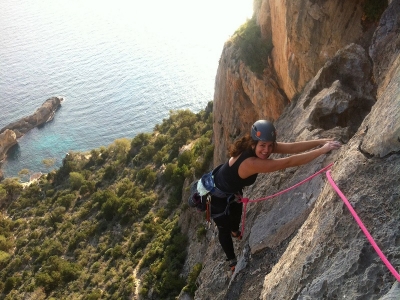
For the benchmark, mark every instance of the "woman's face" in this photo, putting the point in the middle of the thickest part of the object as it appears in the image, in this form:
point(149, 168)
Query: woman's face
point(264, 149)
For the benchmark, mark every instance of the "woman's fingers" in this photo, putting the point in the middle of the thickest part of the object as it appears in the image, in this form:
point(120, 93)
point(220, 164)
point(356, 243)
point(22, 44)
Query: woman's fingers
point(334, 145)
point(331, 145)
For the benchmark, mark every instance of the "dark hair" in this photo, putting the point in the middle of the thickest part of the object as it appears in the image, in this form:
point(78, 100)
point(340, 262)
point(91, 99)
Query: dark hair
point(241, 144)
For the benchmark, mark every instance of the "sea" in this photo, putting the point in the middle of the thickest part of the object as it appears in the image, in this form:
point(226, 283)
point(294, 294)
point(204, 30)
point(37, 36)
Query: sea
point(121, 66)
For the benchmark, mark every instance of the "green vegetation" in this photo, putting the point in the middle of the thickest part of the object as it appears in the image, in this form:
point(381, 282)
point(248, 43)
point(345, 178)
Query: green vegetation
point(201, 231)
point(103, 219)
point(252, 48)
point(191, 283)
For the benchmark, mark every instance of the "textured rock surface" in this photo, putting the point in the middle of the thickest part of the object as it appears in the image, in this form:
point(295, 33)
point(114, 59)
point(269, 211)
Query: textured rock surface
point(383, 135)
point(241, 97)
point(305, 34)
point(7, 139)
point(386, 41)
point(336, 100)
point(384, 138)
point(305, 244)
point(40, 116)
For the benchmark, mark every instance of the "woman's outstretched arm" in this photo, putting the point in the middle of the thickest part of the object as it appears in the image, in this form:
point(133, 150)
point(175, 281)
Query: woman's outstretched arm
point(253, 165)
point(298, 147)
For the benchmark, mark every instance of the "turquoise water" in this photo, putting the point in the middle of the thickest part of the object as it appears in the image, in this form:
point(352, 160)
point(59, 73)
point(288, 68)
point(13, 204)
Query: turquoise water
point(121, 66)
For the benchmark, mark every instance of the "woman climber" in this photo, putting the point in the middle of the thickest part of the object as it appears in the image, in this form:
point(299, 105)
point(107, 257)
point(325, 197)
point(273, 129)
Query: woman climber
point(249, 156)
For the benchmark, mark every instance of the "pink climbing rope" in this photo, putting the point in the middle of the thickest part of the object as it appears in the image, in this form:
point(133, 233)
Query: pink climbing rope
point(363, 228)
point(245, 201)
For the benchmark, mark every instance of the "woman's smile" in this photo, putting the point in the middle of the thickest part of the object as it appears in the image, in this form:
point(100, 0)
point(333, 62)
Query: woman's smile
point(264, 149)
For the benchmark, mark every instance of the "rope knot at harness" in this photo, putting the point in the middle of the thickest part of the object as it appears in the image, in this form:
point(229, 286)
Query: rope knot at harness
point(244, 200)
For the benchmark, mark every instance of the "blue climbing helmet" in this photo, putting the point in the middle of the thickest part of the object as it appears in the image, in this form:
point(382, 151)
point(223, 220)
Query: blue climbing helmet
point(263, 130)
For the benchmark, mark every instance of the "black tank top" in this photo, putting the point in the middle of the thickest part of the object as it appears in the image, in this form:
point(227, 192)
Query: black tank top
point(227, 177)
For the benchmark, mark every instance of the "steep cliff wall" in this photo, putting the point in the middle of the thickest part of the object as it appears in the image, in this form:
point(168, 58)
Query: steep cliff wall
point(305, 244)
point(328, 257)
point(240, 98)
point(305, 34)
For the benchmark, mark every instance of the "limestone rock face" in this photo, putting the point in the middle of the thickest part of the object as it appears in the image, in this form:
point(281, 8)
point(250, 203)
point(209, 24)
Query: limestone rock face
point(339, 96)
point(383, 131)
point(386, 41)
point(321, 259)
point(383, 135)
point(331, 106)
point(305, 34)
point(190, 224)
point(7, 139)
point(240, 98)
point(305, 244)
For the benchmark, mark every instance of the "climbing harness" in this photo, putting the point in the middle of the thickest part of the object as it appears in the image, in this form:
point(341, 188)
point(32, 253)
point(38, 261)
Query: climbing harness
point(245, 201)
point(201, 191)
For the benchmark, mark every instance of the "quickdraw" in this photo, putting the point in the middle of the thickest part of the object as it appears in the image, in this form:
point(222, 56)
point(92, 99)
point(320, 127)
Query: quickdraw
point(208, 209)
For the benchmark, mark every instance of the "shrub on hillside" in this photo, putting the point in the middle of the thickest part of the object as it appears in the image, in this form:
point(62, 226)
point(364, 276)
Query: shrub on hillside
point(55, 272)
point(191, 285)
point(76, 180)
point(72, 245)
point(12, 187)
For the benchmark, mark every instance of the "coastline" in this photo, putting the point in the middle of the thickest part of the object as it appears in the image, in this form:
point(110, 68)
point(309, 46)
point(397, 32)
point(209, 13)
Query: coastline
point(10, 134)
